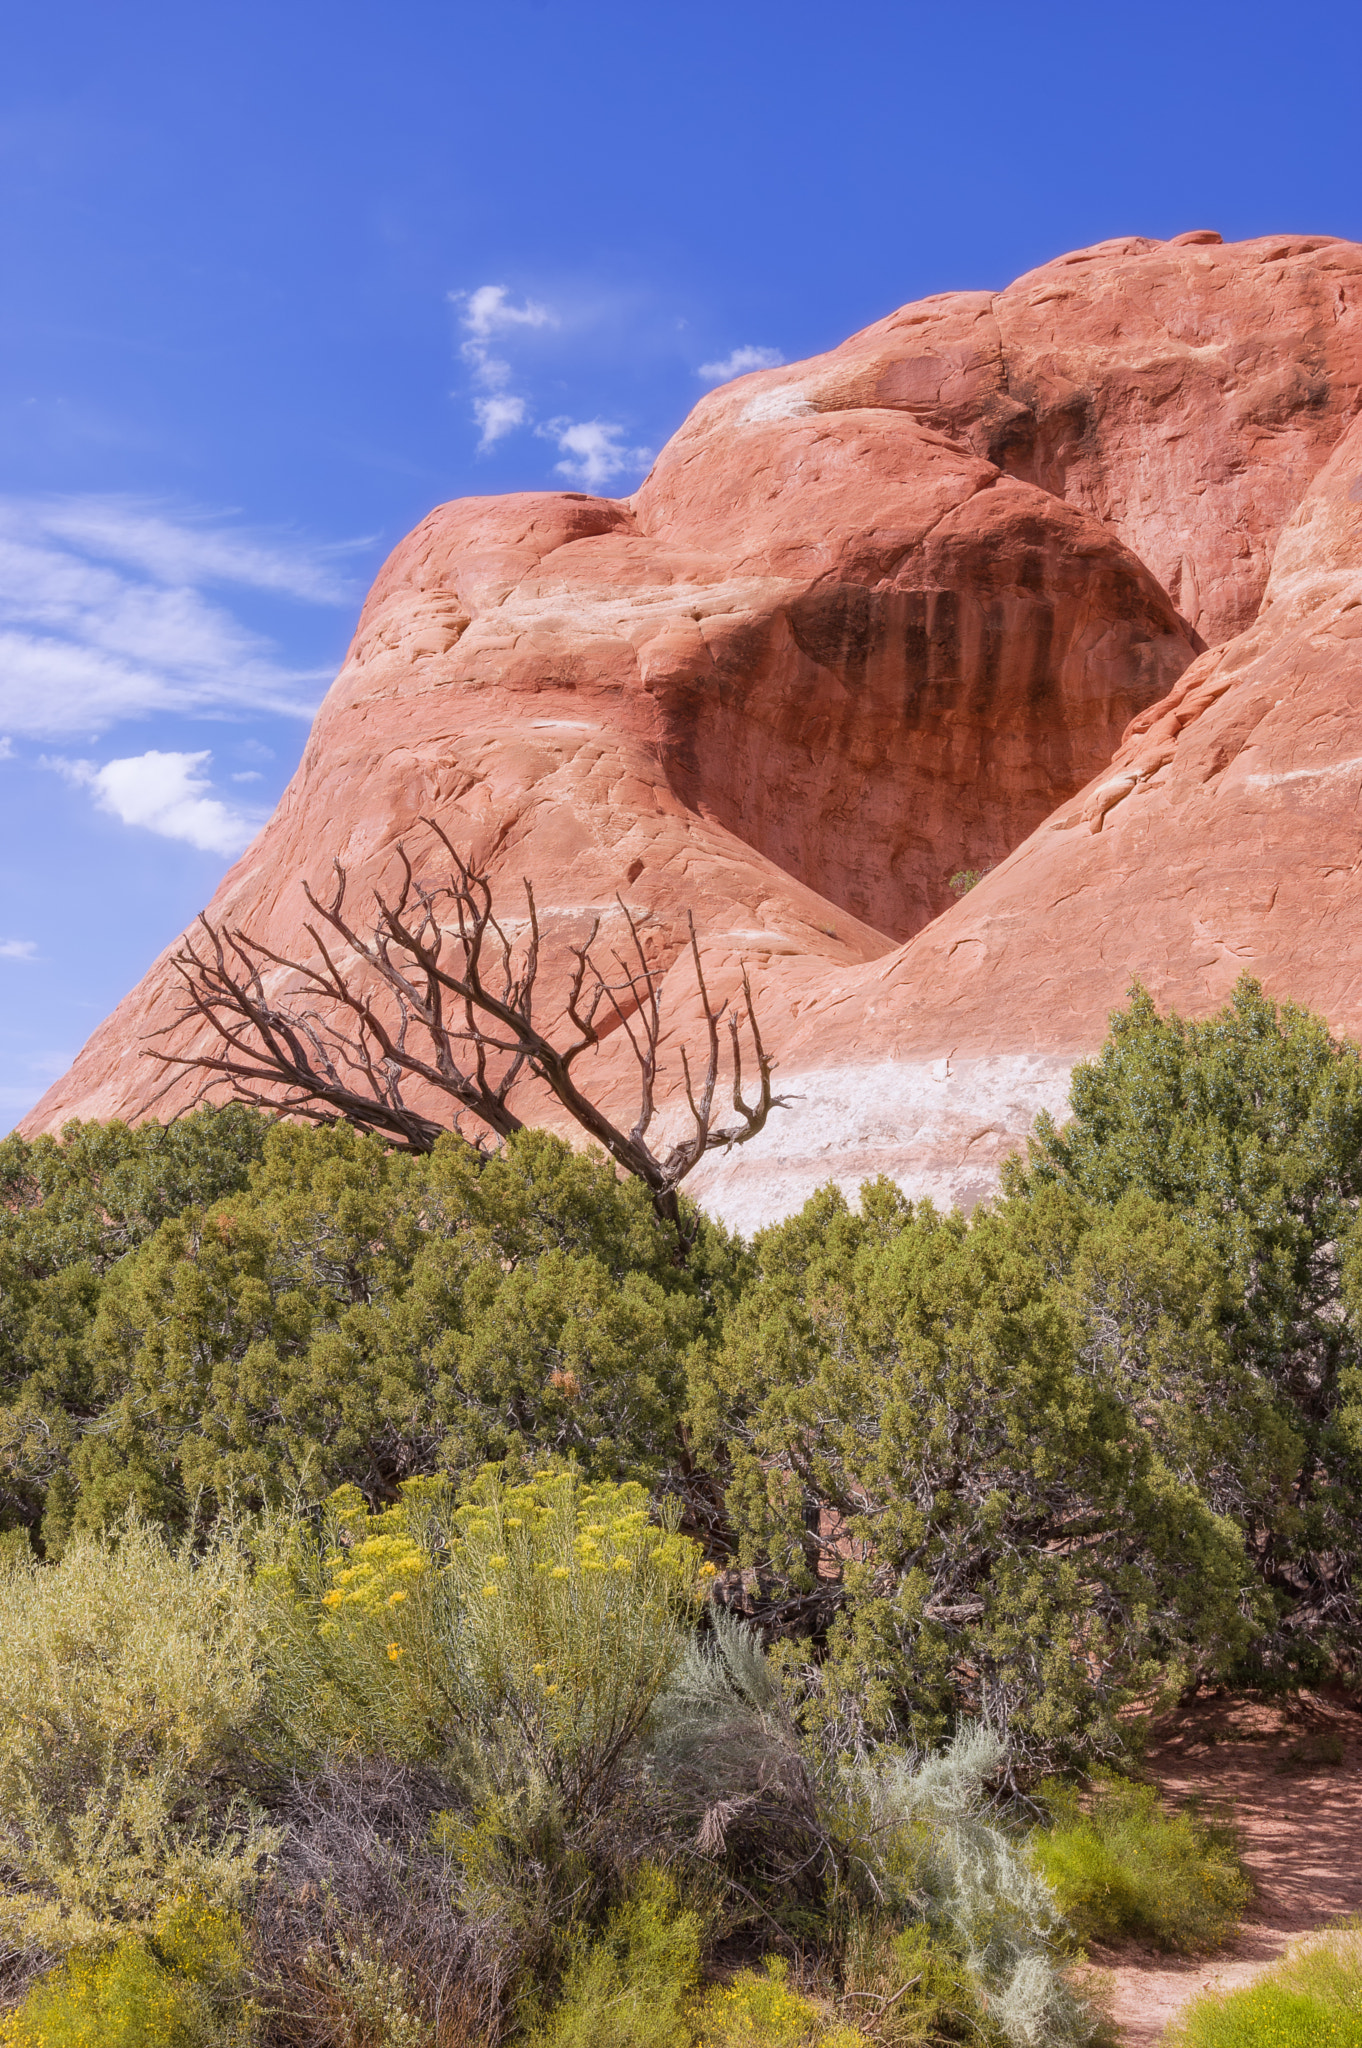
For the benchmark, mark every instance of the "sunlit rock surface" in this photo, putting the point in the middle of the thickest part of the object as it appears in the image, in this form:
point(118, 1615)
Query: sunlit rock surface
point(1063, 582)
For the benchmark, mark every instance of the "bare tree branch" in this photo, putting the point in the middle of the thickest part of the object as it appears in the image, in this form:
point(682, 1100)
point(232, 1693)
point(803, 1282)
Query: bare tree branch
point(449, 1003)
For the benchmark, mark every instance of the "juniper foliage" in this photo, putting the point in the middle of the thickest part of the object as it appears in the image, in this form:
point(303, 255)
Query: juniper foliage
point(302, 1309)
point(1247, 1127)
point(988, 1504)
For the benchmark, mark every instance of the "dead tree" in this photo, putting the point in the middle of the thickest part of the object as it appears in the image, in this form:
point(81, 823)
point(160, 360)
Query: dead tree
point(450, 1004)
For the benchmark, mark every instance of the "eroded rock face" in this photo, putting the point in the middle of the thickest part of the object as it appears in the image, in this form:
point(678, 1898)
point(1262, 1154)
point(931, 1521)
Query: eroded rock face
point(1225, 836)
point(936, 600)
point(1184, 393)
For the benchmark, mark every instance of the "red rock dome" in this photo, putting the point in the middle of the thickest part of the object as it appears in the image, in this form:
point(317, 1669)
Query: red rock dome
point(1063, 581)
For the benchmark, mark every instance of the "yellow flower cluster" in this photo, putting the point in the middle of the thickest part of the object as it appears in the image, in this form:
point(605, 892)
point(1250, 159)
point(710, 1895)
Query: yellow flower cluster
point(611, 1530)
point(534, 1570)
point(375, 1560)
point(366, 1575)
point(759, 2010)
point(153, 1985)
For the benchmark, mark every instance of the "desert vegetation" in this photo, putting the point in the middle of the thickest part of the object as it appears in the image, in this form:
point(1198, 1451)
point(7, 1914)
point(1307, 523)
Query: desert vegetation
point(1314, 1996)
point(438, 1613)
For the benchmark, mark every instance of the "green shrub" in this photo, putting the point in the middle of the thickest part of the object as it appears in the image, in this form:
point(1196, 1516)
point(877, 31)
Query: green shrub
point(911, 1984)
point(360, 1317)
point(103, 1189)
point(131, 1678)
point(1124, 1866)
point(939, 1542)
point(630, 1988)
point(69, 1212)
point(892, 1840)
point(1248, 1126)
point(228, 1309)
point(927, 1831)
point(534, 1624)
point(1312, 2000)
point(176, 1986)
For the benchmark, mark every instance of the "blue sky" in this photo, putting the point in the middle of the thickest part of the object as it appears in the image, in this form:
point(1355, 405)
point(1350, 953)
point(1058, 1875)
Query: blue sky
point(279, 277)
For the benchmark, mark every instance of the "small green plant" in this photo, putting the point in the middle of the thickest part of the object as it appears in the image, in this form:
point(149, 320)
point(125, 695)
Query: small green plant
point(911, 1984)
point(967, 879)
point(371, 1995)
point(1312, 2000)
point(1120, 1865)
point(630, 1988)
point(177, 1985)
point(1326, 1748)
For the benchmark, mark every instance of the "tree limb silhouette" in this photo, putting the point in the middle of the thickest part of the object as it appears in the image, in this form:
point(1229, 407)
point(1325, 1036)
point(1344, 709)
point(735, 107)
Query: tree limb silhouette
point(451, 1004)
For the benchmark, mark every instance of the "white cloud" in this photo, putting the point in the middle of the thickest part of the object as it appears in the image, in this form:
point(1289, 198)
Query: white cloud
point(248, 775)
point(492, 372)
point(163, 793)
point(497, 417)
point(6, 750)
point(18, 949)
point(593, 451)
point(191, 551)
point(84, 642)
point(488, 311)
point(740, 362)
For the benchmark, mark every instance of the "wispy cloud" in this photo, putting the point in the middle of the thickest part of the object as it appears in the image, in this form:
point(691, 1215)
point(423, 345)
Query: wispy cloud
point(164, 793)
point(593, 451)
point(84, 642)
point(18, 949)
point(740, 362)
point(192, 550)
point(498, 417)
point(488, 312)
point(6, 749)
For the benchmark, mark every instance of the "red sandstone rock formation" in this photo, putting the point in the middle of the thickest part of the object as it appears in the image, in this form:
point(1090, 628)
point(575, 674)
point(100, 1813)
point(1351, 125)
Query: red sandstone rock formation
point(1225, 836)
point(871, 619)
point(1183, 393)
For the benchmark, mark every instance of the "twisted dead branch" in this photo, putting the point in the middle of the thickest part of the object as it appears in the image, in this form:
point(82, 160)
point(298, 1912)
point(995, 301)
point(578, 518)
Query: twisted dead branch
point(436, 991)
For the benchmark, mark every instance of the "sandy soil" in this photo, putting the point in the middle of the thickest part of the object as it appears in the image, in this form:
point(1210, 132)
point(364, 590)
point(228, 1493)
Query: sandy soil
point(1292, 1773)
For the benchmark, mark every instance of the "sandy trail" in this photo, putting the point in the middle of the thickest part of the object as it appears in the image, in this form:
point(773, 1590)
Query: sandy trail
point(1292, 1772)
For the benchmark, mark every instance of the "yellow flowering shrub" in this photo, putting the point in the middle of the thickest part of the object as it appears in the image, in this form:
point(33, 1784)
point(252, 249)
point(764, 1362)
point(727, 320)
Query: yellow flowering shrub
point(177, 1985)
point(547, 1613)
point(759, 2010)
